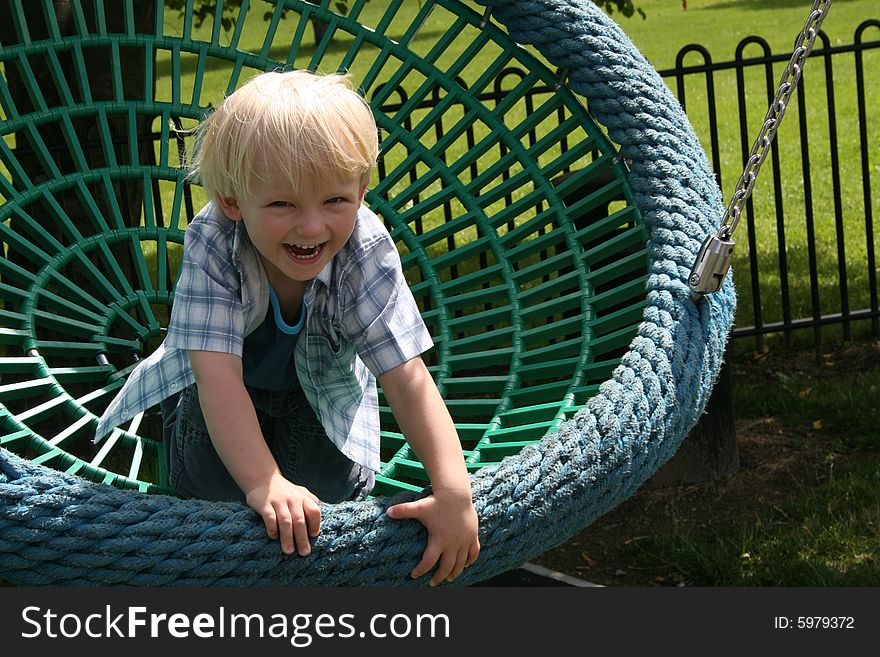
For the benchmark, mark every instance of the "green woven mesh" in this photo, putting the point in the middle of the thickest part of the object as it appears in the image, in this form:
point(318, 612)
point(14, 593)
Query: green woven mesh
point(514, 220)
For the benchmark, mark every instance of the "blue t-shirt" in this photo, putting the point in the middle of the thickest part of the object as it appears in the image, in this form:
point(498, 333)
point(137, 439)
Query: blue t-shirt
point(268, 352)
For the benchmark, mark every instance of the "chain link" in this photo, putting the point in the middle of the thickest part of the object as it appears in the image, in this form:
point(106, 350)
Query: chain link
point(761, 147)
point(716, 252)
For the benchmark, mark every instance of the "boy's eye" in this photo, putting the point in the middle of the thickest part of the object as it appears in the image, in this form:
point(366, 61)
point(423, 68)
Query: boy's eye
point(335, 199)
point(279, 204)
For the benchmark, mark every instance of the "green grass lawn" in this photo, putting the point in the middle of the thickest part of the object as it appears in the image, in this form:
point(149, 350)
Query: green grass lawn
point(823, 536)
point(721, 24)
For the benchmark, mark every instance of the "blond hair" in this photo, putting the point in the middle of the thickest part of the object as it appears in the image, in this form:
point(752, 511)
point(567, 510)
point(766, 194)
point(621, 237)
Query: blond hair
point(303, 125)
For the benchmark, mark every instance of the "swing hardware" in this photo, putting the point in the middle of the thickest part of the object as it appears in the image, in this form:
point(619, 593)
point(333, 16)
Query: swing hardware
point(712, 263)
point(715, 255)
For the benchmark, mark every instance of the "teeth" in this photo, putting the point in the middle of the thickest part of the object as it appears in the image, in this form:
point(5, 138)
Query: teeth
point(304, 251)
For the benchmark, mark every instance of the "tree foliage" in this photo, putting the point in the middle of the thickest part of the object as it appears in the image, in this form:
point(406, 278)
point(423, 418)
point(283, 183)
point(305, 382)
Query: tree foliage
point(623, 7)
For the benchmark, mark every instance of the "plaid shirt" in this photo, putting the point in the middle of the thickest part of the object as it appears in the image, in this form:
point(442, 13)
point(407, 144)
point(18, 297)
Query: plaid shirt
point(361, 322)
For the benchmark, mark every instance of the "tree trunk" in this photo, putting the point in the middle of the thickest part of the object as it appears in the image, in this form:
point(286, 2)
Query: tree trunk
point(100, 83)
point(320, 29)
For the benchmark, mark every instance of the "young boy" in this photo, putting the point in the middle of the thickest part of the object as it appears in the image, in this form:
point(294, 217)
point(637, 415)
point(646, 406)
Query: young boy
point(290, 304)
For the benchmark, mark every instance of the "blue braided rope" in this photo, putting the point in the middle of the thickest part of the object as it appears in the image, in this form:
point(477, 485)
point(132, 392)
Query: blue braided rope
point(60, 529)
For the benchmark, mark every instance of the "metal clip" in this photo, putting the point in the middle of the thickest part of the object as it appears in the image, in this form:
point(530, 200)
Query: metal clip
point(711, 264)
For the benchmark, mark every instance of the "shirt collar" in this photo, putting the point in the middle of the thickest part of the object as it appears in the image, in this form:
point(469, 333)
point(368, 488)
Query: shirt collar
point(239, 238)
point(325, 274)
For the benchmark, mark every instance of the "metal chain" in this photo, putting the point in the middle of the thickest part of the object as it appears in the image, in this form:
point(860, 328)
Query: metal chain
point(716, 253)
point(787, 85)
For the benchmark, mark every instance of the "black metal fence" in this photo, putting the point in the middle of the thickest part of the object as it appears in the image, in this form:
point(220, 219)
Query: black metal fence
point(808, 258)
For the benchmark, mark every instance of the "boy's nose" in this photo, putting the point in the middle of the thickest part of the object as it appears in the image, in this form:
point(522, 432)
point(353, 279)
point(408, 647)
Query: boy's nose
point(310, 225)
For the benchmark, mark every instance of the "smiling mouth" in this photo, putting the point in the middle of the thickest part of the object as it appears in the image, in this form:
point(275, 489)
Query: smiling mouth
point(305, 252)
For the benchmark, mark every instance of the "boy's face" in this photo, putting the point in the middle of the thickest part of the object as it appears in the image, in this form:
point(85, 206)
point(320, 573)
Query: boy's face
point(297, 232)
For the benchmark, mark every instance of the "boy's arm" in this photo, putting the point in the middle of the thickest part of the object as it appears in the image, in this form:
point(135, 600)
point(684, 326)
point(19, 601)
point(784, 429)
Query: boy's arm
point(290, 512)
point(448, 514)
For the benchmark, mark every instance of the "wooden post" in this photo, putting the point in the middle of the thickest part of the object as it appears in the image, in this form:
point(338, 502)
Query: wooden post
point(709, 451)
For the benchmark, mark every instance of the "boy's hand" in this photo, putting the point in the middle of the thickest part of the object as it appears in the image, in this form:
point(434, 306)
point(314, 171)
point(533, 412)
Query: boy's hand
point(291, 513)
point(451, 521)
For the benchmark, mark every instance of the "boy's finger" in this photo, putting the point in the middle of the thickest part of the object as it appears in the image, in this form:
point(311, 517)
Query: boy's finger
point(447, 562)
point(268, 516)
point(301, 533)
point(473, 553)
point(271, 526)
point(405, 510)
point(429, 558)
point(458, 568)
point(313, 519)
point(285, 530)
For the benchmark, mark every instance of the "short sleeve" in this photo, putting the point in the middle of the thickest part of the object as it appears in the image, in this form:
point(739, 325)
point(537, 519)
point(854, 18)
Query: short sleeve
point(381, 316)
point(207, 312)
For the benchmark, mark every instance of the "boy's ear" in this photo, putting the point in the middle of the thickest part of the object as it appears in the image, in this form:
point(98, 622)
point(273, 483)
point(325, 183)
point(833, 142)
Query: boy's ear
point(230, 207)
point(363, 193)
